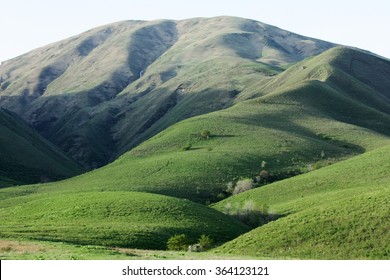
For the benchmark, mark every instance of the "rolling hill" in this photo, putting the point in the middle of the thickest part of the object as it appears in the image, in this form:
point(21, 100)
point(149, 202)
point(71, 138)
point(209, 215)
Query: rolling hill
point(309, 120)
point(121, 219)
point(26, 157)
point(338, 212)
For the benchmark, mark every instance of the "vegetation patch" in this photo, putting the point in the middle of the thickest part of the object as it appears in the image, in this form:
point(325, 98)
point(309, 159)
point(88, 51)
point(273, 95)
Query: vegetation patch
point(337, 212)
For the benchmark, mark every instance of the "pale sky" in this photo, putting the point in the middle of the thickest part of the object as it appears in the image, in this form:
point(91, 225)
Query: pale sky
point(28, 24)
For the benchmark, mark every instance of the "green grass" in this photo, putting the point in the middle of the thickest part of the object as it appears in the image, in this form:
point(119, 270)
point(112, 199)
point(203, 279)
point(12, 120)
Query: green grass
point(124, 219)
point(316, 113)
point(45, 250)
point(288, 130)
point(26, 157)
point(338, 212)
point(85, 93)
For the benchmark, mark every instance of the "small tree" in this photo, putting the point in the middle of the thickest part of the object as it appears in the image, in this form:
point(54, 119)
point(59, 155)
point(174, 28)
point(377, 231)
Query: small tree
point(187, 146)
point(205, 242)
point(178, 242)
point(205, 134)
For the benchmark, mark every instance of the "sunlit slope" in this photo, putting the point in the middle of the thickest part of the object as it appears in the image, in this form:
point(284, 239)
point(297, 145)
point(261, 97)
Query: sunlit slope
point(303, 118)
point(26, 157)
point(286, 132)
point(338, 212)
point(126, 219)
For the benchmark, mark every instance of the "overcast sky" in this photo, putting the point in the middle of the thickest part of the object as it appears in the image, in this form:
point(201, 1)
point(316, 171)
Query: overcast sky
point(28, 24)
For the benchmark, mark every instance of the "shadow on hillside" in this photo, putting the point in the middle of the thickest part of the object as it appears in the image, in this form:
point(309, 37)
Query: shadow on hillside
point(256, 218)
point(222, 135)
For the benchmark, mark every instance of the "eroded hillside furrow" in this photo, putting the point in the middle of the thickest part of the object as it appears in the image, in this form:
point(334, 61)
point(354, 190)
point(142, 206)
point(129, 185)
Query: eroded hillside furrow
point(169, 103)
point(89, 44)
point(148, 44)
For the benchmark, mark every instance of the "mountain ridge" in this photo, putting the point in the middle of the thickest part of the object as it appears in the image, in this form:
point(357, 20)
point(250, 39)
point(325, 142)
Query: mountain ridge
point(94, 74)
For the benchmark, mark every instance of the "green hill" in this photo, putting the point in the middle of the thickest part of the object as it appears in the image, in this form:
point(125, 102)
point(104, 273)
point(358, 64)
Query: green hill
point(306, 123)
point(187, 113)
point(338, 212)
point(26, 157)
point(125, 219)
point(98, 94)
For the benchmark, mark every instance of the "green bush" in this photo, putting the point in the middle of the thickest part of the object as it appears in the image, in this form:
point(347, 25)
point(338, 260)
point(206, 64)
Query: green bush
point(205, 134)
point(187, 147)
point(178, 242)
point(264, 174)
point(205, 242)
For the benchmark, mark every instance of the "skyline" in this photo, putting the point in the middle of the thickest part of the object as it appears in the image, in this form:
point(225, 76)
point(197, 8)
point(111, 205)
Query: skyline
point(41, 22)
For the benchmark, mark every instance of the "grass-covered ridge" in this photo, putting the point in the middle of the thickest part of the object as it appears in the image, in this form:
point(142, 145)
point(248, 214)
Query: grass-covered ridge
point(338, 212)
point(122, 219)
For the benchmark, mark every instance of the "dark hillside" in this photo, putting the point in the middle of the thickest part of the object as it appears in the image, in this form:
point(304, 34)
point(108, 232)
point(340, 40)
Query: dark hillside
point(26, 157)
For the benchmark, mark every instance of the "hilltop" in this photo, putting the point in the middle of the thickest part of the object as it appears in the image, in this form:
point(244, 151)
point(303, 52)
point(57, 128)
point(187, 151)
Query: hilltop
point(100, 93)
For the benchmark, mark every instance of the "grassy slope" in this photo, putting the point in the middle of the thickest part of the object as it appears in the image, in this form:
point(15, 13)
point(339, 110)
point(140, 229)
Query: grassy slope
point(84, 93)
point(338, 212)
point(288, 127)
point(124, 219)
point(25, 157)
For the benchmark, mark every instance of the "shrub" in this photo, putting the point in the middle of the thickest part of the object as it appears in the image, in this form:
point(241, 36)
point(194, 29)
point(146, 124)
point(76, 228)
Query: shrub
point(178, 242)
point(230, 187)
point(243, 186)
point(205, 242)
point(252, 216)
point(264, 174)
point(187, 147)
point(205, 134)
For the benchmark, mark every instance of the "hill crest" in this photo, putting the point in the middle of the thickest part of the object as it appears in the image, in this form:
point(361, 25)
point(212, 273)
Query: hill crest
point(99, 81)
